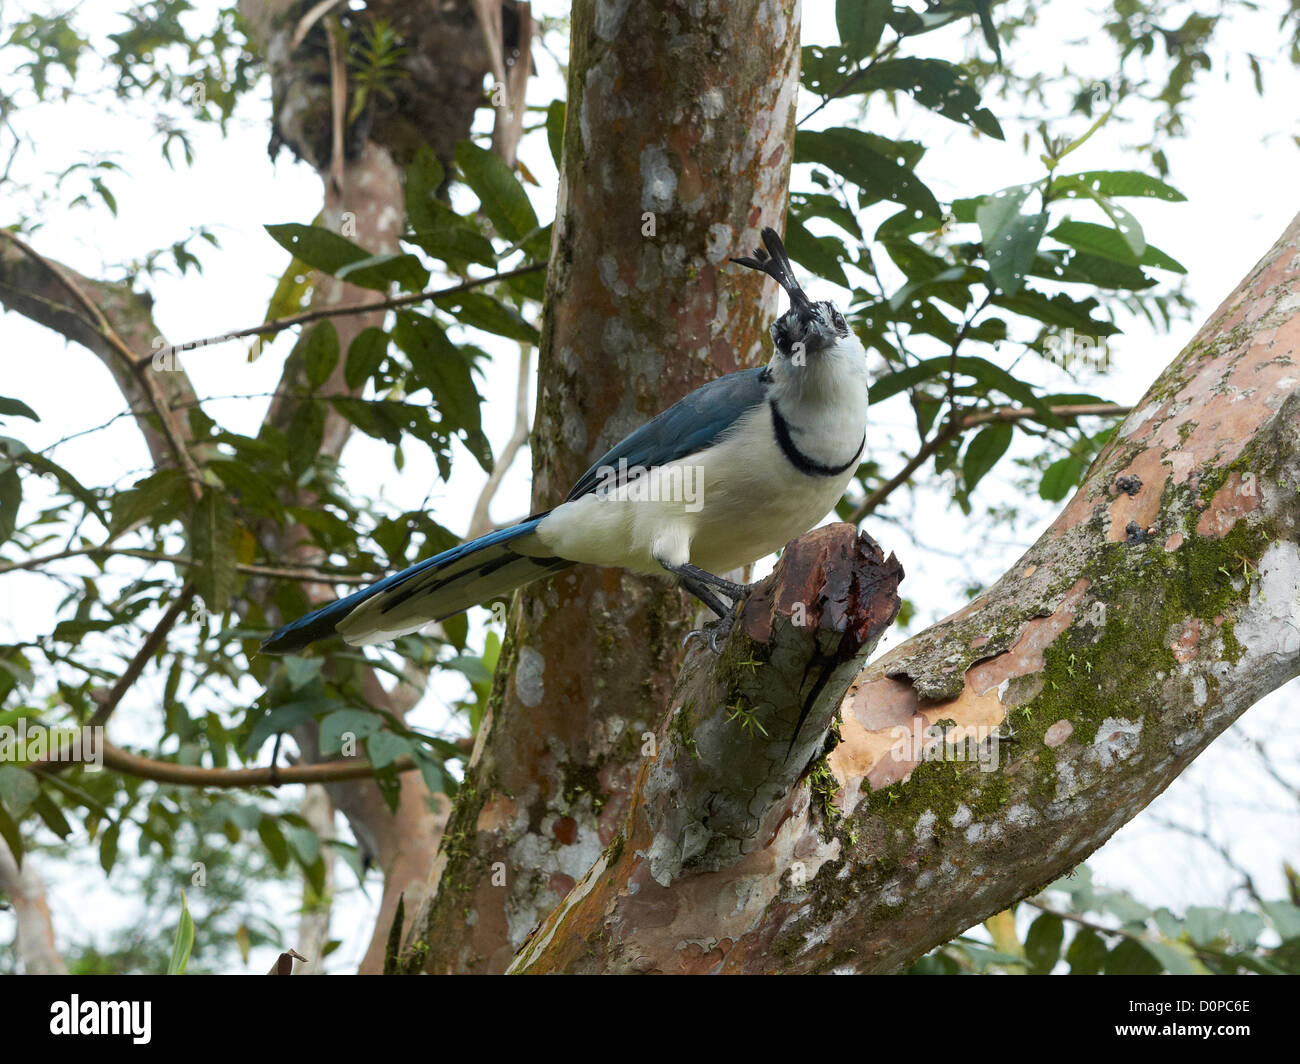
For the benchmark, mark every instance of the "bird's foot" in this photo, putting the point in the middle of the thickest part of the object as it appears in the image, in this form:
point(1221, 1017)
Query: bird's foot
point(716, 630)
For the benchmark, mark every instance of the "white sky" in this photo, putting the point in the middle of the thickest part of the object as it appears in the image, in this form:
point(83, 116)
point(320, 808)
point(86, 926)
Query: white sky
point(1237, 166)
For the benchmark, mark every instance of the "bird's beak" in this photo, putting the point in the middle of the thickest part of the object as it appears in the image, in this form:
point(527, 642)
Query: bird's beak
point(776, 264)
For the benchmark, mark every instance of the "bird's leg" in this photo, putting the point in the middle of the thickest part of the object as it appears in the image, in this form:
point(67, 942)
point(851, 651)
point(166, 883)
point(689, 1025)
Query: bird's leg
point(704, 586)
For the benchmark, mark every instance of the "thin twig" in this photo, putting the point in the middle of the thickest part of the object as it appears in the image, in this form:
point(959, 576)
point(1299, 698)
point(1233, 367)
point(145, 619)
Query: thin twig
point(954, 428)
point(280, 324)
point(148, 648)
point(872, 501)
point(481, 522)
point(856, 76)
point(338, 101)
point(324, 576)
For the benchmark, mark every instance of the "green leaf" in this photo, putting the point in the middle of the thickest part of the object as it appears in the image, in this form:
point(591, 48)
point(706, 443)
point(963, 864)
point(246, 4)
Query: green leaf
point(483, 312)
point(984, 10)
point(1284, 917)
point(378, 272)
point(366, 354)
point(18, 789)
point(108, 846)
point(937, 85)
point(289, 297)
point(70, 484)
point(555, 130)
point(355, 722)
point(17, 408)
point(424, 176)
point(1010, 238)
point(827, 70)
point(1095, 183)
point(984, 371)
point(500, 194)
point(1176, 958)
point(145, 498)
point(806, 205)
point(1060, 478)
point(253, 489)
point(11, 497)
point(384, 748)
point(320, 353)
point(300, 673)
point(434, 777)
point(983, 452)
point(1043, 943)
point(212, 533)
point(51, 815)
point(880, 167)
point(442, 368)
point(1130, 958)
point(306, 432)
point(282, 718)
point(1087, 952)
point(12, 836)
point(273, 839)
point(183, 943)
point(819, 255)
point(1080, 267)
point(1128, 227)
point(1060, 310)
point(304, 843)
point(318, 247)
point(456, 243)
point(1107, 242)
point(860, 24)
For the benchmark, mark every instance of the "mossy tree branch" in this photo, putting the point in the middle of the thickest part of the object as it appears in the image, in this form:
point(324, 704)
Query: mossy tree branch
point(1160, 605)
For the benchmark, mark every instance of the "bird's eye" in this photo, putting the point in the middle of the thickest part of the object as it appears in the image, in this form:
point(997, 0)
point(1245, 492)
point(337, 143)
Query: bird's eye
point(837, 318)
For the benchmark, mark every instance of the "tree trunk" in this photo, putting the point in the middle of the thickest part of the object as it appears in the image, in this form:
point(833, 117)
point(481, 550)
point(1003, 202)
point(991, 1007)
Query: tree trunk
point(673, 159)
point(23, 889)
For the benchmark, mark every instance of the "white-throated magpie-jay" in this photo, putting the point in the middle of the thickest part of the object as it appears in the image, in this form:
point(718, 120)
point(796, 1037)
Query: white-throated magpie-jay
point(727, 475)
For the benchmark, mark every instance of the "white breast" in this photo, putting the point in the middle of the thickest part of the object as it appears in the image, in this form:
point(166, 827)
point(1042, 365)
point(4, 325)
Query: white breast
point(734, 502)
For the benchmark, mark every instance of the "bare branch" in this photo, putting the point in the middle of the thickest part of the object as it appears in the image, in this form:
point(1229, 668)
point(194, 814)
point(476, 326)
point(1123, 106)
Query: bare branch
point(278, 325)
point(122, 354)
point(955, 428)
point(481, 521)
point(303, 573)
point(145, 768)
point(147, 650)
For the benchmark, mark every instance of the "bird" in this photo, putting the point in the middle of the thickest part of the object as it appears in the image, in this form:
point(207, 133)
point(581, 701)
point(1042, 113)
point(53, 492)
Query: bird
point(725, 476)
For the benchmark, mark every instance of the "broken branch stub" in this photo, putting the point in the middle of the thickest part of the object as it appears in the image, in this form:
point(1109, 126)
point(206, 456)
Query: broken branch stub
point(741, 731)
point(738, 735)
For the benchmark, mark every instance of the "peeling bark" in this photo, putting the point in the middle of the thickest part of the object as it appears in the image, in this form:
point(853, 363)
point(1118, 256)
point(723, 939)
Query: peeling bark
point(1160, 605)
point(676, 151)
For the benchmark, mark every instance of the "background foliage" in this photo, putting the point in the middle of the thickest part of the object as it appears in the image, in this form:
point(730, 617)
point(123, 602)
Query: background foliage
point(960, 299)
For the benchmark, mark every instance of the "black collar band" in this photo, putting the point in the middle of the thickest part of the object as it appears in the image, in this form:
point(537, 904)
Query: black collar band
point(800, 460)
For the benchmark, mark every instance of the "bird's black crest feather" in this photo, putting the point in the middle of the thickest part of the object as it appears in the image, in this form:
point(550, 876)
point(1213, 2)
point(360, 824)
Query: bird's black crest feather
point(776, 264)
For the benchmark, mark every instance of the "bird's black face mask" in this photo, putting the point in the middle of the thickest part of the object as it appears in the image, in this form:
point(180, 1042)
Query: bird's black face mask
point(815, 326)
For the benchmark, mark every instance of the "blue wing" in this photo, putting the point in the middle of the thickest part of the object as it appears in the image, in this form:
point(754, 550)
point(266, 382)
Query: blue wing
point(685, 428)
point(499, 562)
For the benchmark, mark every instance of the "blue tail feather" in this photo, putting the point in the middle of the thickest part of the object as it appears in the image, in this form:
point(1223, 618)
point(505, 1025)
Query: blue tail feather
point(431, 590)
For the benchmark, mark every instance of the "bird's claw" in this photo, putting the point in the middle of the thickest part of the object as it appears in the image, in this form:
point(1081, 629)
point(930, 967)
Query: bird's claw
point(715, 630)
